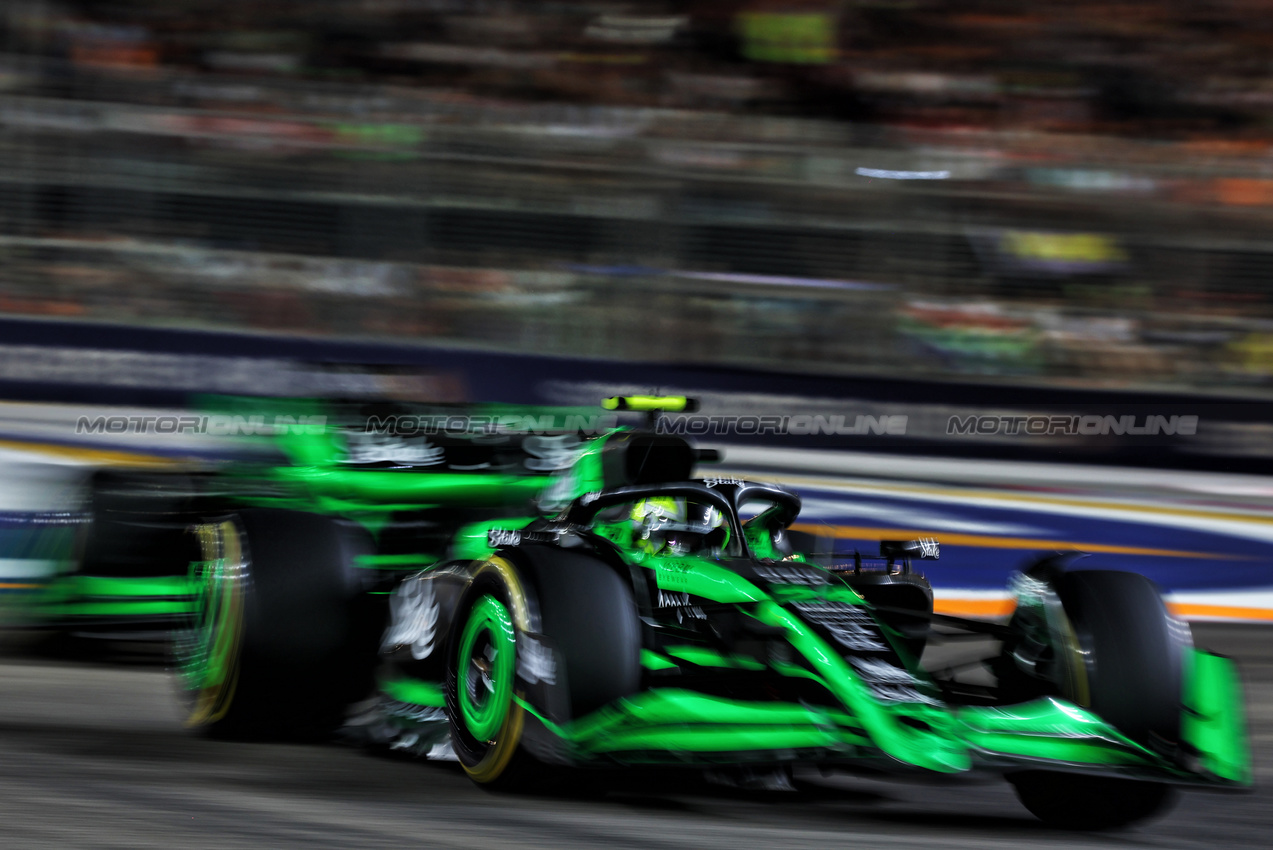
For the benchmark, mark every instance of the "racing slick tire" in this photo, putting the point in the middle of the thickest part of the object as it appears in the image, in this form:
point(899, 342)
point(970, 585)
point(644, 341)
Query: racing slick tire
point(283, 637)
point(1134, 652)
point(1079, 802)
point(1134, 655)
point(588, 616)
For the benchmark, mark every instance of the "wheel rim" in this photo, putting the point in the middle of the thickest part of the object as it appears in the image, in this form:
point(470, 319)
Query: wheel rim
point(1072, 664)
point(485, 665)
point(207, 649)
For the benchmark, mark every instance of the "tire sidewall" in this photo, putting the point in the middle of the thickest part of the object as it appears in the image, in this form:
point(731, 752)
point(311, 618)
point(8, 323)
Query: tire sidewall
point(1134, 650)
point(306, 639)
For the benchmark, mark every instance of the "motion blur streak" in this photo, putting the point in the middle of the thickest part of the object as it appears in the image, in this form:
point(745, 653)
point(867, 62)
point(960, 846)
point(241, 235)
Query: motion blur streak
point(939, 216)
point(1200, 549)
point(1060, 194)
point(98, 751)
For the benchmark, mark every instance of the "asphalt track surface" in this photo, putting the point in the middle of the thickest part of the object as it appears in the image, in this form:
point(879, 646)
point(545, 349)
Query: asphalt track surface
point(92, 755)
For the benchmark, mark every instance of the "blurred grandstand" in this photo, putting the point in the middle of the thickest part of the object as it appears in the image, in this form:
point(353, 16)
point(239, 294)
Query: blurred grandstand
point(1051, 192)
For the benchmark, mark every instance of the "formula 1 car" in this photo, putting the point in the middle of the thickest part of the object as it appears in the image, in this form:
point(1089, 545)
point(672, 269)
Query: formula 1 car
point(114, 561)
point(644, 617)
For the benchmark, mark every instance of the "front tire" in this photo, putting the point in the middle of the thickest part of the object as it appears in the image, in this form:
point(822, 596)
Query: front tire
point(1129, 657)
point(1079, 802)
point(585, 653)
point(1134, 652)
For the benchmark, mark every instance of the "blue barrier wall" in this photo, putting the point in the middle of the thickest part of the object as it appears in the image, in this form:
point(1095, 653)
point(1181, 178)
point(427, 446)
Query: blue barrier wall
point(116, 364)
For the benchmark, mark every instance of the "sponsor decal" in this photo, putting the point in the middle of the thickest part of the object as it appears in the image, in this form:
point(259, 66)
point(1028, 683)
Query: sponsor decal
point(880, 671)
point(673, 598)
point(890, 682)
point(929, 548)
point(498, 537)
point(557, 455)
point(851, 625)
point(371, 447)
point(551, 454)
point(855, 629)
point(790, 574)
point(679, 602)
point(672, 573)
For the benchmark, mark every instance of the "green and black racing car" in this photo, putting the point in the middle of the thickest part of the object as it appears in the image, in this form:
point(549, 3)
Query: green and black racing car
point(633, 614)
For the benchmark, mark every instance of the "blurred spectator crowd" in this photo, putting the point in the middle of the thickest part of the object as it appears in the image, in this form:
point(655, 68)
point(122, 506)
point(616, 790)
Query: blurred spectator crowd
point(1054, 191)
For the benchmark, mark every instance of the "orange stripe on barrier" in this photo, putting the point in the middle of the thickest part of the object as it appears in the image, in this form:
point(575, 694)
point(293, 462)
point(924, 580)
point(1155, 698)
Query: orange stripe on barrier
point(1189, 611)
point(853, 532)
point(997, 608)
point(975, 607)
point(9, 585)
point(1018, 497)
point(90, 455)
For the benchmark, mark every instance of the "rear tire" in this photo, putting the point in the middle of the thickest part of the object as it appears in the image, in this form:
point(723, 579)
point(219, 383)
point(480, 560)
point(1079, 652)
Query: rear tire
point(1079, 802)
point(283, 637)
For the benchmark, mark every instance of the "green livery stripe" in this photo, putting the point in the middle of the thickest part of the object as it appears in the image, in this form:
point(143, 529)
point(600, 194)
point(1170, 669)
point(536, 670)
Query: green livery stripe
point(704, 657)
point(700, 577)
point(677, 720)
point(1050, 729)
point(663, 706)
point(414, 692)
point(381, 486)
point(1067, 750)
point(1212, 721)
point(913, 733)
point(129, 608)
point(106, 586)
point(394, 562)
point(651, 660)
point(1039, 717)
point(795, 671)
point(727, 738)
point(109, 596)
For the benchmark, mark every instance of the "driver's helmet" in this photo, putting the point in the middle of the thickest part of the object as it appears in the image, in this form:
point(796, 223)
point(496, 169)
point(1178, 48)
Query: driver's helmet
point(668, 525)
